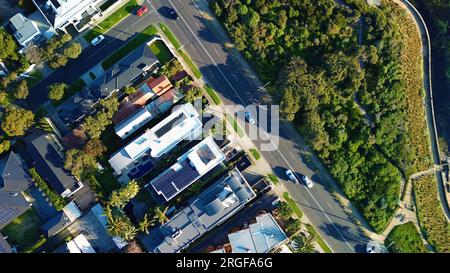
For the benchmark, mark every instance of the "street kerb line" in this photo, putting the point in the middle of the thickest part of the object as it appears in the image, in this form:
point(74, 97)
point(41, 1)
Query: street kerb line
point(243, 103)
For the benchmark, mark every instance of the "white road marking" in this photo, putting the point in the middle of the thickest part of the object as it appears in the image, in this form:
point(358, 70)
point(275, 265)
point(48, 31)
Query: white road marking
point(243, 103)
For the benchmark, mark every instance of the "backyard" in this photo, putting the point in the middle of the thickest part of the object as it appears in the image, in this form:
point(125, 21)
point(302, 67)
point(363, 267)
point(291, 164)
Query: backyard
point(23, 231)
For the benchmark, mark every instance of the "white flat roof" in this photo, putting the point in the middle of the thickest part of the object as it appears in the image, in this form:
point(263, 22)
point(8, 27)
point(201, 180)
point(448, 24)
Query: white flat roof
point(131, 124)
point(72, 247)
point(80, 245)
point(196, 156)
point(260, 237)
point(182, 124)
point(72, 211)
point(69, 10)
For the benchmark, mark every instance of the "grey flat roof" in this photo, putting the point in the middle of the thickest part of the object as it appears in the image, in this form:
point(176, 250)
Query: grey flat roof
point(206, 211)
point(23, 27)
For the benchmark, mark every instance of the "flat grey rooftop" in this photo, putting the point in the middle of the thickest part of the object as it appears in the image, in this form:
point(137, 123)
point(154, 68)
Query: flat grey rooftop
point(206, 211)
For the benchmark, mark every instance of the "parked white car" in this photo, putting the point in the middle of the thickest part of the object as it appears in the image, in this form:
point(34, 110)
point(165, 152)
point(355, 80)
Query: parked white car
point(97, 40)
point(291, 176)
point(307, 181)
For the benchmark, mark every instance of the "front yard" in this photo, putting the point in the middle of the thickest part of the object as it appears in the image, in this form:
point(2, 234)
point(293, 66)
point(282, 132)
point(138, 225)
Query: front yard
point(113, 19)
point(130, 46)
point(161, 51)
point(23, 231)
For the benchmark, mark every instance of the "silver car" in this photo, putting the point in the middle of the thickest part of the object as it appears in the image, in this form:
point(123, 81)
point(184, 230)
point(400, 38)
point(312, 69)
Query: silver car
point(307, 181)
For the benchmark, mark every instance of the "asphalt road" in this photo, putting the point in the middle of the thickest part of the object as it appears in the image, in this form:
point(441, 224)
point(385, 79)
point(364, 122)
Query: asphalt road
point(236, 84)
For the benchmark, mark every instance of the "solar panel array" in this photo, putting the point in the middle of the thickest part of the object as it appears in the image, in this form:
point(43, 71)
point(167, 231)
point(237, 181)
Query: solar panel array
point(181, 179)
point(169, 125)
point(7, 214)
point(141, 170)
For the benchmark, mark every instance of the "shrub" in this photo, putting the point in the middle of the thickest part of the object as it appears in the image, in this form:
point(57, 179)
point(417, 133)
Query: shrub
point(58, 202)
point(405, 239)
point(292, 225)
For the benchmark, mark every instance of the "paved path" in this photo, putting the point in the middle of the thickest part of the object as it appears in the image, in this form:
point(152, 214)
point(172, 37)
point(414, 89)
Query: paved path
point(226, 71)
point(431, 122)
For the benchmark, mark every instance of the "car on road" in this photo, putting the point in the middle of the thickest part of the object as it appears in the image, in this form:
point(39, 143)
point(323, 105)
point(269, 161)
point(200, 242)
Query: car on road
point(307, 181)
point(173, 14)
point(291, 176)
point(249, 118)
point(141, 11)
point(97, 40)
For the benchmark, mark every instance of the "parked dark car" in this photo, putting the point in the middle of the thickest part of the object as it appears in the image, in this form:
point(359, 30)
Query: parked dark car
point(173, 14)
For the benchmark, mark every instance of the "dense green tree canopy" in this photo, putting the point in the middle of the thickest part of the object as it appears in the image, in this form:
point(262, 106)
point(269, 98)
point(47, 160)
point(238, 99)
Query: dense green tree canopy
point(16, 121)
point(345, 91)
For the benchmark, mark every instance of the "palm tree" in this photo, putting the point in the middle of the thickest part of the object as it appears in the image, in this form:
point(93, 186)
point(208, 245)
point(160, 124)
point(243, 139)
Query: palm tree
point(119, 198)
point(128, 232)
point(116, 200)
point(160, 215)
point(303, 244)
point(145, 223)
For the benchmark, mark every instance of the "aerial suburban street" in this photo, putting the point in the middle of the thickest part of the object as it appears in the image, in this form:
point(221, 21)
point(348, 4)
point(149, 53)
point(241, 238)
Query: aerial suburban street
point(332, 75)
point(224, 126)
point(237, 84)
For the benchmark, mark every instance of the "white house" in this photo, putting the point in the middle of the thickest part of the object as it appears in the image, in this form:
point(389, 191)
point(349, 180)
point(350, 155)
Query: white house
point(61, 13)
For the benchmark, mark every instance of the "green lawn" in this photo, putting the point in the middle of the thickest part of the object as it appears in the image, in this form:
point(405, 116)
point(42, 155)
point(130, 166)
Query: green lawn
point(168, 33)
point(256, 155)
point(161, 51)
point(291, 202)
point(212, 93)
point(318, 238)
point(130, 46)
point(113, 19)
point(274, 179)
point(165, 29)
point(190, 63)
point(107, 181)
point(405, 239)
point(23, 231)
point(235, 125)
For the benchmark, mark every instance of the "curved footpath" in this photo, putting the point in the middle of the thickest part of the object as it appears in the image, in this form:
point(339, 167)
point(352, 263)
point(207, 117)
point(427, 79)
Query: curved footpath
point(431, 122)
